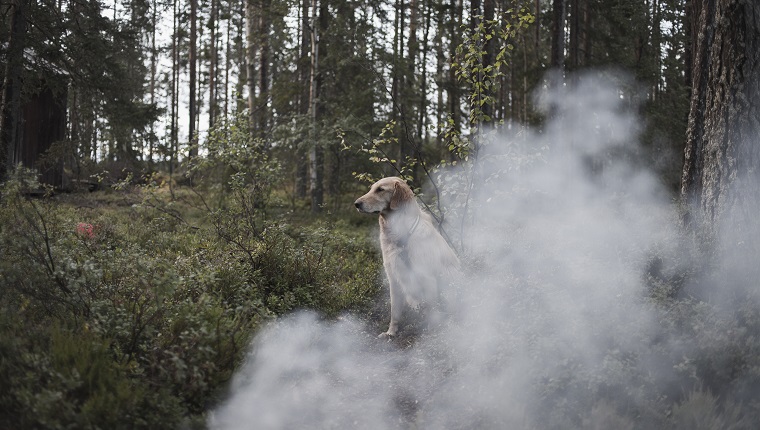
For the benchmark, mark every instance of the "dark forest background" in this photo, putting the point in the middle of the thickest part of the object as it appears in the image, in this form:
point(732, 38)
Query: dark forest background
point(145, 84)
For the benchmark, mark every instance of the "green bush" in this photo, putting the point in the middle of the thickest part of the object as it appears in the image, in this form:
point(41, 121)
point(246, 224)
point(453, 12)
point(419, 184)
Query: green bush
point(131, 317)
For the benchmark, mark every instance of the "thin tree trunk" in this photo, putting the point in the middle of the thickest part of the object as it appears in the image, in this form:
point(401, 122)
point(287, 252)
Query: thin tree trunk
point(423, 99)
point(575, 28)
point(10, 120)
point(453, 85)
point(475, 14)
point(263, 32)
point(558, 35)
point(174, 140)
point(410, 138)
point(440, 78)
point(316, 153)
point(227, 66)
point(241, 45)
point(212, 65)
point(192, 87)
point(396, 74)
point(250, 59)
point(302, 160)
point(488, 58)
point(153, 71)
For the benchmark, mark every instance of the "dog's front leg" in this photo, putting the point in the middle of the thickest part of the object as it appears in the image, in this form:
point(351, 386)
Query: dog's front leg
point(397, 308)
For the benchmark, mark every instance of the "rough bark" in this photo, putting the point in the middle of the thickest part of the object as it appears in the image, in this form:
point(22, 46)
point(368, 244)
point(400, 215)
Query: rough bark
point(721, 156)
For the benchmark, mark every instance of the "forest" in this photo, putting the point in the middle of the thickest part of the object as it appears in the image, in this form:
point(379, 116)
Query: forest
point(179, 246)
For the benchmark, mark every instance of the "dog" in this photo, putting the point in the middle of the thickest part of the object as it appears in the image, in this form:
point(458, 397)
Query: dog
point(416, 258)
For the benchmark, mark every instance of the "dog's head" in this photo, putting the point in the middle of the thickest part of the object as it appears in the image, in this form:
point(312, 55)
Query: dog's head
point(387, 194)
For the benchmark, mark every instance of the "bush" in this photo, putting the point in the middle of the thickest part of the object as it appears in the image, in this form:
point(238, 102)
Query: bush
point(134, 318)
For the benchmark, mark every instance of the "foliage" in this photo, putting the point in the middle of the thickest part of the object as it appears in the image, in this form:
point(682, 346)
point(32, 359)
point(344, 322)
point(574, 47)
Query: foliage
point(479, 70)
point(473, 66)
point(135, 316)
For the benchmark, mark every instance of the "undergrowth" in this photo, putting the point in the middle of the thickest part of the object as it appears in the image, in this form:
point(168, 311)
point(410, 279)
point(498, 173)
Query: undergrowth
point(119, 310)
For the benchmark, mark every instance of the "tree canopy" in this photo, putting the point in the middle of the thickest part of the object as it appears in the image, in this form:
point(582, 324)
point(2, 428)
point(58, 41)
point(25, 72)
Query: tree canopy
point(148, 80)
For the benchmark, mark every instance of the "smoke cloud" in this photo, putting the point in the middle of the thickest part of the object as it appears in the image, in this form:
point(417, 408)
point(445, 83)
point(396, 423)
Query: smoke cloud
point(568, 234)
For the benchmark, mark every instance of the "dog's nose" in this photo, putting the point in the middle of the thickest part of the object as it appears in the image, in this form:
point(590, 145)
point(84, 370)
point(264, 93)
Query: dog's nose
point(358, 204)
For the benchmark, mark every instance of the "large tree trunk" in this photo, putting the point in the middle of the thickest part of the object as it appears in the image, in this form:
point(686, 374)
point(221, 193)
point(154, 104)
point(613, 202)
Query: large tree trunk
point(722, 152)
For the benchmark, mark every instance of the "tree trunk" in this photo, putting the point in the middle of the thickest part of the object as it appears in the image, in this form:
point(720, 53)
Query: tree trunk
point(409, 138)
point(575, 29)
point(263, 39)
point(440, 79)
point(423, 99)
point(488, 60)
point(720, 173)
point(153, 71)
point(316, 152)
point(396, 73)
point(302, 161)
point(453, 93)
point(227, 66)
point(10, 120)
point(212, 65)
point(558, 35)
point(250, 58)
point(193, 65)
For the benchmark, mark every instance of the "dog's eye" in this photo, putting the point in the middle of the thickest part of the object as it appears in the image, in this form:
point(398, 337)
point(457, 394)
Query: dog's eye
point(379, 189)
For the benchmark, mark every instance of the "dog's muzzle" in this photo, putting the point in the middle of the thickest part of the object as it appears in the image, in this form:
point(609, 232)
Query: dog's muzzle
point(361, 208)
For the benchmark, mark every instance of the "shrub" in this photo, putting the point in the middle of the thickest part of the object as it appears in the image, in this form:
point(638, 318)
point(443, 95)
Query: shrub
point(134, 318)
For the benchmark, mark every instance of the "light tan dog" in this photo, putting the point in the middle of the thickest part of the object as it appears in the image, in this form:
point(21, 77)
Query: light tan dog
point(417, 259)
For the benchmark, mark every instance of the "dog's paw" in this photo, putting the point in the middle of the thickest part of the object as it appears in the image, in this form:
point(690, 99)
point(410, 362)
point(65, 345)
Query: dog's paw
point(386, 335)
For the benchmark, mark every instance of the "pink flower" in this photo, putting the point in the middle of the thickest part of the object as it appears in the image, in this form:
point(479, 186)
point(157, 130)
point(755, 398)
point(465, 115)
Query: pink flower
point(85, 229)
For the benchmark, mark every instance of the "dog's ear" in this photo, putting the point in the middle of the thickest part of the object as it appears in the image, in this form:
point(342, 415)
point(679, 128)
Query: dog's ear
point(401, 194)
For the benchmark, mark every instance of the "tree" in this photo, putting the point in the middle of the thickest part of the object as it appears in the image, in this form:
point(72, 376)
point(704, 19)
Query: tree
point(212, 64)
point(250, 57)
point(193, 67)
point(558, 34)
point(722, 154)
point(316, 152)
point(10, 115)
point(303, 71)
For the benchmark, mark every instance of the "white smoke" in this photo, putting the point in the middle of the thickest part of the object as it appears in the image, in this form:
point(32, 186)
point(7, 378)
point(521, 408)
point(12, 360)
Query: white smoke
point(553, 322)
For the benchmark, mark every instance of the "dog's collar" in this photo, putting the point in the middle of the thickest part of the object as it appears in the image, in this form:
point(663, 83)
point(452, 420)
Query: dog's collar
point(414, 226)
point(405, 241)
